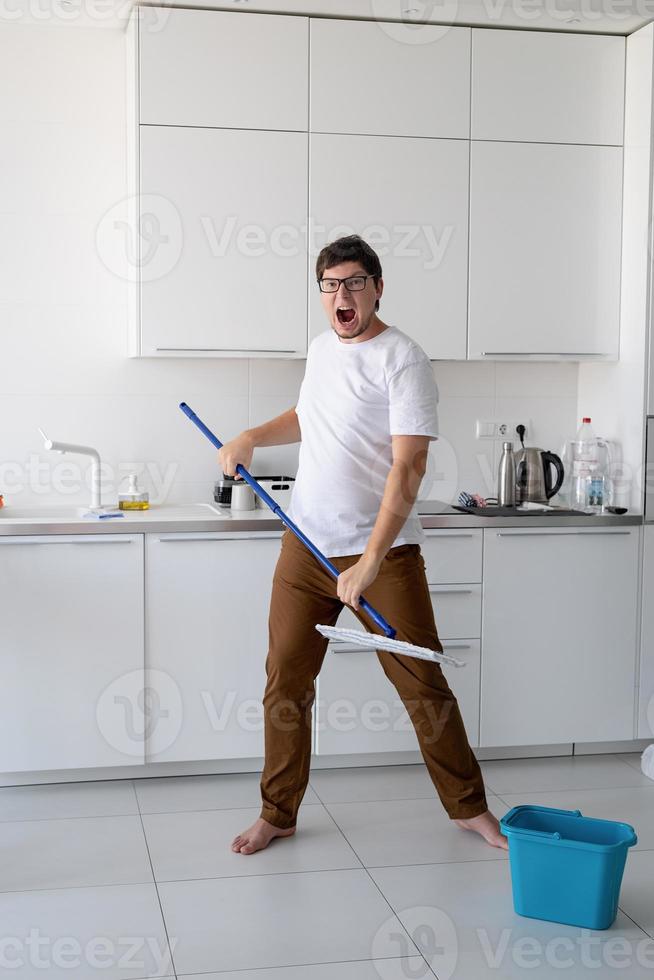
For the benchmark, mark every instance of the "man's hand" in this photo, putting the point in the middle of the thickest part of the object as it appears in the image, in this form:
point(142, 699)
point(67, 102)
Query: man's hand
point(353, 582)
point(238, 450)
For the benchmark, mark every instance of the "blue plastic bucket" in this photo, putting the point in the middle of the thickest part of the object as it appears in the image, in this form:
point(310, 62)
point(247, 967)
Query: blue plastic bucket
point(566, 867)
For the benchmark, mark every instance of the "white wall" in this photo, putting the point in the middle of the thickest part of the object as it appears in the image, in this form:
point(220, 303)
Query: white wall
point(63, 363)
point(614, 394)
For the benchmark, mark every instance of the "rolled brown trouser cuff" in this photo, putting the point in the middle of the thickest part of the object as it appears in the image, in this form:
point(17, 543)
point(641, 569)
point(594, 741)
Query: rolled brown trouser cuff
point(276, 819)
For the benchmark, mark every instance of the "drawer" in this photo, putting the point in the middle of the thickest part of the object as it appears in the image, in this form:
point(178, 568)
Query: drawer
point(358, 710)
point(457, 610)
point(453, 556)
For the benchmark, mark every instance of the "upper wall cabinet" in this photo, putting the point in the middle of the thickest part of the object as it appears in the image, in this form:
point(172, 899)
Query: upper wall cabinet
point(366, 79)
point(547, 87)
point(227, 271)
point(544, 249)
point(409, 199)
point(223, 68)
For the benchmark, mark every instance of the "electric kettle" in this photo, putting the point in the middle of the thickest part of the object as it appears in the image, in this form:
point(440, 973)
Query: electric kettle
point(534, 482)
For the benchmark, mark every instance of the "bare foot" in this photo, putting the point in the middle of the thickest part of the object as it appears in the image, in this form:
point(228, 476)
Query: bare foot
point(258, 836)
point(488, 826)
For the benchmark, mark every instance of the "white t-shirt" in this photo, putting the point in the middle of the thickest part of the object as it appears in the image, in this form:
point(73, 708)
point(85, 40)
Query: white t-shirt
point(353, 398)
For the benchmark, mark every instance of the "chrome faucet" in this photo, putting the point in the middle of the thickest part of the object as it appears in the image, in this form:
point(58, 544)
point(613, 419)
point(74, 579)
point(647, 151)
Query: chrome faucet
point(70, 447)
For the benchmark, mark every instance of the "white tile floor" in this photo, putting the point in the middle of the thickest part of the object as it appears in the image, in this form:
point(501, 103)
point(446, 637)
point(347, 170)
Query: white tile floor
point(135, 879)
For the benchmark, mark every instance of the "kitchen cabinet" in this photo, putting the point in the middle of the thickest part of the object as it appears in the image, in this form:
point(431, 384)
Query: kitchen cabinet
point(71, 648)
point(357, 708)
point(645, 721)
point(234, 280)
point(559, 635)
point(412, 207)
point(544, 250)
point(219, 68)
point(207, 600)
point(545, 86)
point(389, 88)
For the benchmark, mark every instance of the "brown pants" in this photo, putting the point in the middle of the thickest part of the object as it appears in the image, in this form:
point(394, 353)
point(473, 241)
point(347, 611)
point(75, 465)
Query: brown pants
point(304, 594)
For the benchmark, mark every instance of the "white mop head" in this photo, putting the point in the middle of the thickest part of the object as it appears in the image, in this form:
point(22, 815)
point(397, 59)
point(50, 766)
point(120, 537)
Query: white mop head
point(378, 642)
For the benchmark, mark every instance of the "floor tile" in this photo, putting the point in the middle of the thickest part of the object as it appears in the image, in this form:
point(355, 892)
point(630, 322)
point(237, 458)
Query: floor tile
point(72, 853)
point(197, 845)
point(633, 805)
point(548, 960)
point(74, 925)
point(569, 772)
point(453, 908)
point(391, 969)
point(279, 920)
point(221, 792)
point(411, 832)
point(100, 799)
point(373, 783)
point(637, 893)
point(633, 759)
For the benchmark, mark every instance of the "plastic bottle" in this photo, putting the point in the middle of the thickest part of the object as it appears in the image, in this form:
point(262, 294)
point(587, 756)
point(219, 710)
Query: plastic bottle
point(587, 481)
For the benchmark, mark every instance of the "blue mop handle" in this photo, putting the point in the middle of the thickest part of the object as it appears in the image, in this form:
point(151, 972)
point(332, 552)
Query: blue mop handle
point(276, 509)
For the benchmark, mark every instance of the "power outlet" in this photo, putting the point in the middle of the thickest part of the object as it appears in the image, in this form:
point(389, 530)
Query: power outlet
point(501, 429)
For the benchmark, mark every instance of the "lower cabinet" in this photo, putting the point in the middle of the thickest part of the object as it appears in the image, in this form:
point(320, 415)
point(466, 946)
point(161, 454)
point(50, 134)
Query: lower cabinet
point(207, 599)
point(71, 651)
point(559, 635)
point(646, 682)
point(358, 710)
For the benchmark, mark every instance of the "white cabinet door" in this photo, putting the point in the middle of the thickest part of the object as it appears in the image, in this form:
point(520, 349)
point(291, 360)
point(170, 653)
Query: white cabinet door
point(358, 710)
point(544, 249)
point(207, 601)
point(547, 87)
point(646, 683)
point(71, 649)
point(409, 199)
point(225, 269)
point(452, 556)
point(386, 85)
point(558, 635)
point(211, 68)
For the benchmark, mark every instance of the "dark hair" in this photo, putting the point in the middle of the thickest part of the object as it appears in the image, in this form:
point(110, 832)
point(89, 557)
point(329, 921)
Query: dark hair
point(351, 248)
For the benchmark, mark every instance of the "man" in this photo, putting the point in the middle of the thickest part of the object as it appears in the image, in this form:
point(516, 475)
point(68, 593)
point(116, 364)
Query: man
point(365, 417)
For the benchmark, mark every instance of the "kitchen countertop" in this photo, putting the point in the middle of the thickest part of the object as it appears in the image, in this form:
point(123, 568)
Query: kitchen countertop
point(204, 517)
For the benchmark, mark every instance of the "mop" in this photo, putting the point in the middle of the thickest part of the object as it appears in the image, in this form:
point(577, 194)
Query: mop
point(357, 637)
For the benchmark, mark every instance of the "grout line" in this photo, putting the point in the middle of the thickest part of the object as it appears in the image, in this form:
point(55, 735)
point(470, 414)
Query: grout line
point(156, 888)
point(291, 966)
point(410, 938)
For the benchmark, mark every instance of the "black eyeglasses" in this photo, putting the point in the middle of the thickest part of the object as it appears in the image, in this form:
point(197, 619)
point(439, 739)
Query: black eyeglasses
point(352, 283)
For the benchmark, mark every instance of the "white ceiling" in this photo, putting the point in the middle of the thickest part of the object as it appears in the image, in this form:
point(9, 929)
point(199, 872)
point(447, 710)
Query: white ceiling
point(588, 16)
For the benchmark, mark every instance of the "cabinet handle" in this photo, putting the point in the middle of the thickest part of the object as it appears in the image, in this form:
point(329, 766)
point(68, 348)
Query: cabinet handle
point(464, 534)
point(229, 350)
point(542, 353)
point(11, 539)
point(547, 534)
point(220, 536)
point(449, 590)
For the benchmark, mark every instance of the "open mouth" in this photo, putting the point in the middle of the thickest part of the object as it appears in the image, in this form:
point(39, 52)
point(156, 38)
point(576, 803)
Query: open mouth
point(345, 314)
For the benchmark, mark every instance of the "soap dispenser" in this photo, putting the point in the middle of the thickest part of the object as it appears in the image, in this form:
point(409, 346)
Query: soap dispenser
point(133, 498)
